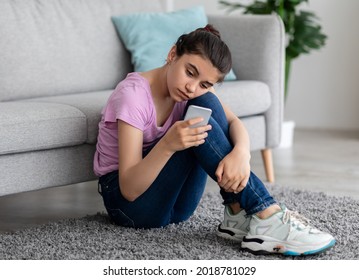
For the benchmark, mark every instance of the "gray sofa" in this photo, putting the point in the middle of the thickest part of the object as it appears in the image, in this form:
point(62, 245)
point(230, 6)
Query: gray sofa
point(60, 61)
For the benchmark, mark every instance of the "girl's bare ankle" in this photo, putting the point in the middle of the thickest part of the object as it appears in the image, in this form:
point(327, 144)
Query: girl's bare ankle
point(268, 211)
point(235, 207)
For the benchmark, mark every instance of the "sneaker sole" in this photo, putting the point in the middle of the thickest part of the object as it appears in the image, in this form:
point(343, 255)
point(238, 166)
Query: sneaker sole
point(258, 246)
point(231, 234)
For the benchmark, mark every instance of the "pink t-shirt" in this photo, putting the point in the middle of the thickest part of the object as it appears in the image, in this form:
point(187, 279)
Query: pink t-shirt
point(132, 103)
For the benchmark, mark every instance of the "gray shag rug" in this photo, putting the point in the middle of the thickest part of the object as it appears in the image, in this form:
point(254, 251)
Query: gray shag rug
point(94, 237)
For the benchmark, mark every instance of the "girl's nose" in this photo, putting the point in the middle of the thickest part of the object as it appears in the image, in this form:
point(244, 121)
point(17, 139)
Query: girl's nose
point(190, 87)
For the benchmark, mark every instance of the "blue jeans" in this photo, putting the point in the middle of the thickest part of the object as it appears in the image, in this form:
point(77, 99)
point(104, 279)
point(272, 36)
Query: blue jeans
point(177, 190)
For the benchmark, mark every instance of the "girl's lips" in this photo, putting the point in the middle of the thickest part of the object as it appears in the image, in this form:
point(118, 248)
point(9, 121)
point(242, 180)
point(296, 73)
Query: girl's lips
point(186, 97)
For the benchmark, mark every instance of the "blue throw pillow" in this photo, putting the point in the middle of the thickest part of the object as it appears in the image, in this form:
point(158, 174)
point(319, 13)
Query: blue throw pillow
point(150, 36)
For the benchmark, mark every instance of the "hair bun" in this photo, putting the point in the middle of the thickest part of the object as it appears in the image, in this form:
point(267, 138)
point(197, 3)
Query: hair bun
point(209, 28)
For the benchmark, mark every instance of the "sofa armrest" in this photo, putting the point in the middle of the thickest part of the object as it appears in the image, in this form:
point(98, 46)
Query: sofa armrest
point(257, 43)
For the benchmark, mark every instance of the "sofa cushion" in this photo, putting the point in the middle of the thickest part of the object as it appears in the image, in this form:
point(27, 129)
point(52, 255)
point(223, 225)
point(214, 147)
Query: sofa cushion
point(150, 36)
point(66, 46)
point(90, 104)
point(38, 126)
point(256, 128)
point(245, 98)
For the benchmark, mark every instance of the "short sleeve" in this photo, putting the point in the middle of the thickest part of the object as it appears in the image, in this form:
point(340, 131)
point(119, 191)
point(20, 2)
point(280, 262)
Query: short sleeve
point(129, 103)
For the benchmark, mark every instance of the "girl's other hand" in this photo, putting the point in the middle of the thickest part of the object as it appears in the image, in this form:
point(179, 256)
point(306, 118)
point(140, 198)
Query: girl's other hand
point(233, 171)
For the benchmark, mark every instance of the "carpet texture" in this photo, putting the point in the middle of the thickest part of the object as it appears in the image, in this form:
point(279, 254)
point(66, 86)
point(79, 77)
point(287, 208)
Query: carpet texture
point(94, 237)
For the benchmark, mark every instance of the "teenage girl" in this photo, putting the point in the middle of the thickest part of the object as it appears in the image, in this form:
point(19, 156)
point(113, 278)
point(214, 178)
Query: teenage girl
point(153, 165)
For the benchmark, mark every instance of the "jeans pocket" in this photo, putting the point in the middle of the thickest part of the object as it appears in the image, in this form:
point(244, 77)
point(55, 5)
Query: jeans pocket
point(110, 192)
point(113, 200)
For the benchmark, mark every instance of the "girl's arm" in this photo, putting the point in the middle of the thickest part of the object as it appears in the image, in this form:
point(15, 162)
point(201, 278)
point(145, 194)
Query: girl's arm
point(136, 174)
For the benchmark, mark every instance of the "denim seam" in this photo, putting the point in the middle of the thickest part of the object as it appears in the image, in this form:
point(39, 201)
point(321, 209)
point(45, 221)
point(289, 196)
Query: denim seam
point(218, 153)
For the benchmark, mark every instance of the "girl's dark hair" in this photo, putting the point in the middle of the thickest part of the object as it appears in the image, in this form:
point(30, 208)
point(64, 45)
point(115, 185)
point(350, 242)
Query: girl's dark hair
point(206, 42)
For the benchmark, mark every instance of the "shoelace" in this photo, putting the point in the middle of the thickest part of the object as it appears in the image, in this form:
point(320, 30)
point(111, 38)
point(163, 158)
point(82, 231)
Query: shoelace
point(295, 219)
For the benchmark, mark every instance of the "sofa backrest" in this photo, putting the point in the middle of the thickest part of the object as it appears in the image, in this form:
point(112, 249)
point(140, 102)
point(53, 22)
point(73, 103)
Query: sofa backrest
point(55, 47)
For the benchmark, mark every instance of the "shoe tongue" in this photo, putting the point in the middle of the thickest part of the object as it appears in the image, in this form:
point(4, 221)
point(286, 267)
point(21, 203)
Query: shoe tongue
point(296, 219)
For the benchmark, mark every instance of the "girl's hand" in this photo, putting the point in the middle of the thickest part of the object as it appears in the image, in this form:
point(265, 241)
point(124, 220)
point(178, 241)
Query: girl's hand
point(233, 171)
point(182, 136)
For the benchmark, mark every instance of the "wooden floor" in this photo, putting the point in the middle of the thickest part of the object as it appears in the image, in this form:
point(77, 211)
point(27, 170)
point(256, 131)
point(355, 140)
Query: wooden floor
point(326, 161)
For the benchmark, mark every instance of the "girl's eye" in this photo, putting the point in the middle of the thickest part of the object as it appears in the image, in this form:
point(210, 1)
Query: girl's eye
point(189, 73)
point(204, 86)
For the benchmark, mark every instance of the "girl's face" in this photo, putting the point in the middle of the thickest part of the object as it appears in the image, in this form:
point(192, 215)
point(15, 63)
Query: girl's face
point(189, 76)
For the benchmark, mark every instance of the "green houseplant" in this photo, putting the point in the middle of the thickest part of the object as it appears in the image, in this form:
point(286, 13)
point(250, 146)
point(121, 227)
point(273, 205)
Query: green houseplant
point(302, 29)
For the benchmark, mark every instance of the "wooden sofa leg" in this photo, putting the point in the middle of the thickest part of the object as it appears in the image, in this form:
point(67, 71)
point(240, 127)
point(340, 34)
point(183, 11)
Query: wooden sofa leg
point(268, 164)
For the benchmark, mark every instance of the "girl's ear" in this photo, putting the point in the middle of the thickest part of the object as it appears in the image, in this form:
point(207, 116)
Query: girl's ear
point(171, 54)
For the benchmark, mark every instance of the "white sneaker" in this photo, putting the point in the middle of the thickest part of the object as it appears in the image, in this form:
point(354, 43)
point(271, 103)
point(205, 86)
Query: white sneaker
point(234, 227)
point(285, 232)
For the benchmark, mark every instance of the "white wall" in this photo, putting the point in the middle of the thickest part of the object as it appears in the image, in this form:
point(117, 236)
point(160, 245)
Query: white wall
point(324, 85)
point(324, 89)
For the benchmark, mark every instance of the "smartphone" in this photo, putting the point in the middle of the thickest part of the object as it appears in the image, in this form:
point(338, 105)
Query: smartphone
point(194, 111)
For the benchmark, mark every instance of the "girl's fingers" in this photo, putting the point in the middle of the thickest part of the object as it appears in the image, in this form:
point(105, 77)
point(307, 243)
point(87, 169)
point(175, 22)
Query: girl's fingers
point(193, 121)
point(219, 173)
point(196, 130)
